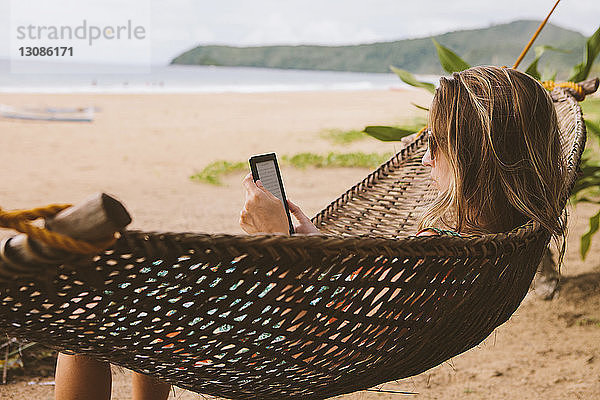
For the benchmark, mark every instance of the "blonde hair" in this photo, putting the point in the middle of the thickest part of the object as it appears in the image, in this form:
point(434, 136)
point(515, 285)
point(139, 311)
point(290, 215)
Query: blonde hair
point(498, 130)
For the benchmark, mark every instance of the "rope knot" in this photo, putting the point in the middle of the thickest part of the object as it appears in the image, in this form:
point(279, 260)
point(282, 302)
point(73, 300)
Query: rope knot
point(21, 221)
point(575, 88)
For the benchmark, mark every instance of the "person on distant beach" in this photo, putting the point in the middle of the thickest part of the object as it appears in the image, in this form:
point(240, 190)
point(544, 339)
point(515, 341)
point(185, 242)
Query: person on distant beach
point(495, 157)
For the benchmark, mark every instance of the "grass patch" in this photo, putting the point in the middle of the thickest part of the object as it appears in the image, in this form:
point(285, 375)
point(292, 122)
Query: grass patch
point(213, 172)
point(589, 322)
point(338, 136)
point(336, 160)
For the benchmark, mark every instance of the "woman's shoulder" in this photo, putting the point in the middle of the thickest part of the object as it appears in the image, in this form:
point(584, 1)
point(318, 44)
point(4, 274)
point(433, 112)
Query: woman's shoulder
point(431, 231)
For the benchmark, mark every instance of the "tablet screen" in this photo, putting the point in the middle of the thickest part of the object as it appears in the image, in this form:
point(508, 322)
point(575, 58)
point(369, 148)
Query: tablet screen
point(268, 176)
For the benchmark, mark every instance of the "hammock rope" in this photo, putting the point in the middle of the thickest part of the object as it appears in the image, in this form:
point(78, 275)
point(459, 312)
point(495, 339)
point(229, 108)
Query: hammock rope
point(21, 221)
point(577, 90)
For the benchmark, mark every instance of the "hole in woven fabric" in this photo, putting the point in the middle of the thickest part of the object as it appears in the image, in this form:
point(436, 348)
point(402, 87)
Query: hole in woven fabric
point(236, 285)
point(215, 282)
point(267, 290)
point(396, 277)
point(266, 309)
point(203, 327)
point(394, 294)
point(253, 287)
point(379, 295)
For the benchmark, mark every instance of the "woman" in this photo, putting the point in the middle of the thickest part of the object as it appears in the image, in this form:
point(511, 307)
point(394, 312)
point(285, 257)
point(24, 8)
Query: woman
point(495, 157)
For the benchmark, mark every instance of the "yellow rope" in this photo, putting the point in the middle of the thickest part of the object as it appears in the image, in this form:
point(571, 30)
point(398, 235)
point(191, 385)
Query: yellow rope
point(19, 221)
point(577, 88)
point(535, 35)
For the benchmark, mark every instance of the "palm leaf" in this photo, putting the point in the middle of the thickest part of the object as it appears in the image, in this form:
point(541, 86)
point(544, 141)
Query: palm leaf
point(449, 60)
point(420, 107)
point(594, 128)
point(587, 237)
point(539, 52)
point(389, 133)
point(592, 48)
point(410, 79)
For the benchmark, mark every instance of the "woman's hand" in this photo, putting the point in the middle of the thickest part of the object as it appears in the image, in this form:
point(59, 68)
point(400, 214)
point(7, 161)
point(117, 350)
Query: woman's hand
point(263, 212)
point(305, 225)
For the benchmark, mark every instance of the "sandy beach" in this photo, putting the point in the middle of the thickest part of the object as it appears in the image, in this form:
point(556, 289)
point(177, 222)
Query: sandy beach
point(143, 149)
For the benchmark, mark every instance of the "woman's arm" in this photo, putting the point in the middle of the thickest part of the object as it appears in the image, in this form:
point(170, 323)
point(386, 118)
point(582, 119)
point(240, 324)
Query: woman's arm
point(264, 213)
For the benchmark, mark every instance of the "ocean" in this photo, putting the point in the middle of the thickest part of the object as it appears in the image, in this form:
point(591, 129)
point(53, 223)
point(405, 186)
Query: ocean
point(191, 79)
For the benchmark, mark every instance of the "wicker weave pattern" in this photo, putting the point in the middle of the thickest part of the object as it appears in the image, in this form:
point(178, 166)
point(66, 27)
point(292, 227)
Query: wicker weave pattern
point(388, 202)
point(305, 317)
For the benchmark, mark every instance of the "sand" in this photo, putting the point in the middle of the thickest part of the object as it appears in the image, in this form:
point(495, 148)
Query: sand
point(143, 148)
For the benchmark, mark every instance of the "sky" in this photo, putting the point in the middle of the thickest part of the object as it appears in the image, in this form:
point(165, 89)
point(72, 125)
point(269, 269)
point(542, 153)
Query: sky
point(178, 25)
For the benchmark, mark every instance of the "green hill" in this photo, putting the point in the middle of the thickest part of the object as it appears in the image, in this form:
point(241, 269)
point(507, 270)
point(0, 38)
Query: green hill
point(497, 45)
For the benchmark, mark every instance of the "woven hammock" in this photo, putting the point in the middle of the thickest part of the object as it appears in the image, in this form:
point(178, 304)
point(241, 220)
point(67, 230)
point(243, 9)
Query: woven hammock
point(305, 316)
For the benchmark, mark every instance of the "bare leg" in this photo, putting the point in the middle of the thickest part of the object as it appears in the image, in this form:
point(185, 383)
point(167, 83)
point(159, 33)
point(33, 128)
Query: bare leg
point(148, 388)
point(79, 377)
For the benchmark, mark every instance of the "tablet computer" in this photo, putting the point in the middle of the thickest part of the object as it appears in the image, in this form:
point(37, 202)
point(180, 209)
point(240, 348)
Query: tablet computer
point(265, 168)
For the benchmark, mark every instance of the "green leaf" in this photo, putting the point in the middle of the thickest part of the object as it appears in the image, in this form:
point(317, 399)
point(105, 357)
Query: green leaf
point(590, 170)
point(449, 60)
point(582, 184)
point(592, 48)
point(539, 52)
point(410, 79)
point(594, 128)
point(547, 77)
point(389, 133)
point(586, 200)
point(587, 237)
point(420, 107)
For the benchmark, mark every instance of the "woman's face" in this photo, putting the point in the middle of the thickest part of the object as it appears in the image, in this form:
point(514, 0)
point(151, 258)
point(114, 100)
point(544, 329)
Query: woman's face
point(440, 168)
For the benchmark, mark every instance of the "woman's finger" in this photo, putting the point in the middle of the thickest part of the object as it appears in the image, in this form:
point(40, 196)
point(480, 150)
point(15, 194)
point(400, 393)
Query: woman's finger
point(298, 213)
point(249, 184)
point(265, 190)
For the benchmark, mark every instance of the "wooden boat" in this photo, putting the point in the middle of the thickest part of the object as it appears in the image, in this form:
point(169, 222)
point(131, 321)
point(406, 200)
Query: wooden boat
point(83, 114)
